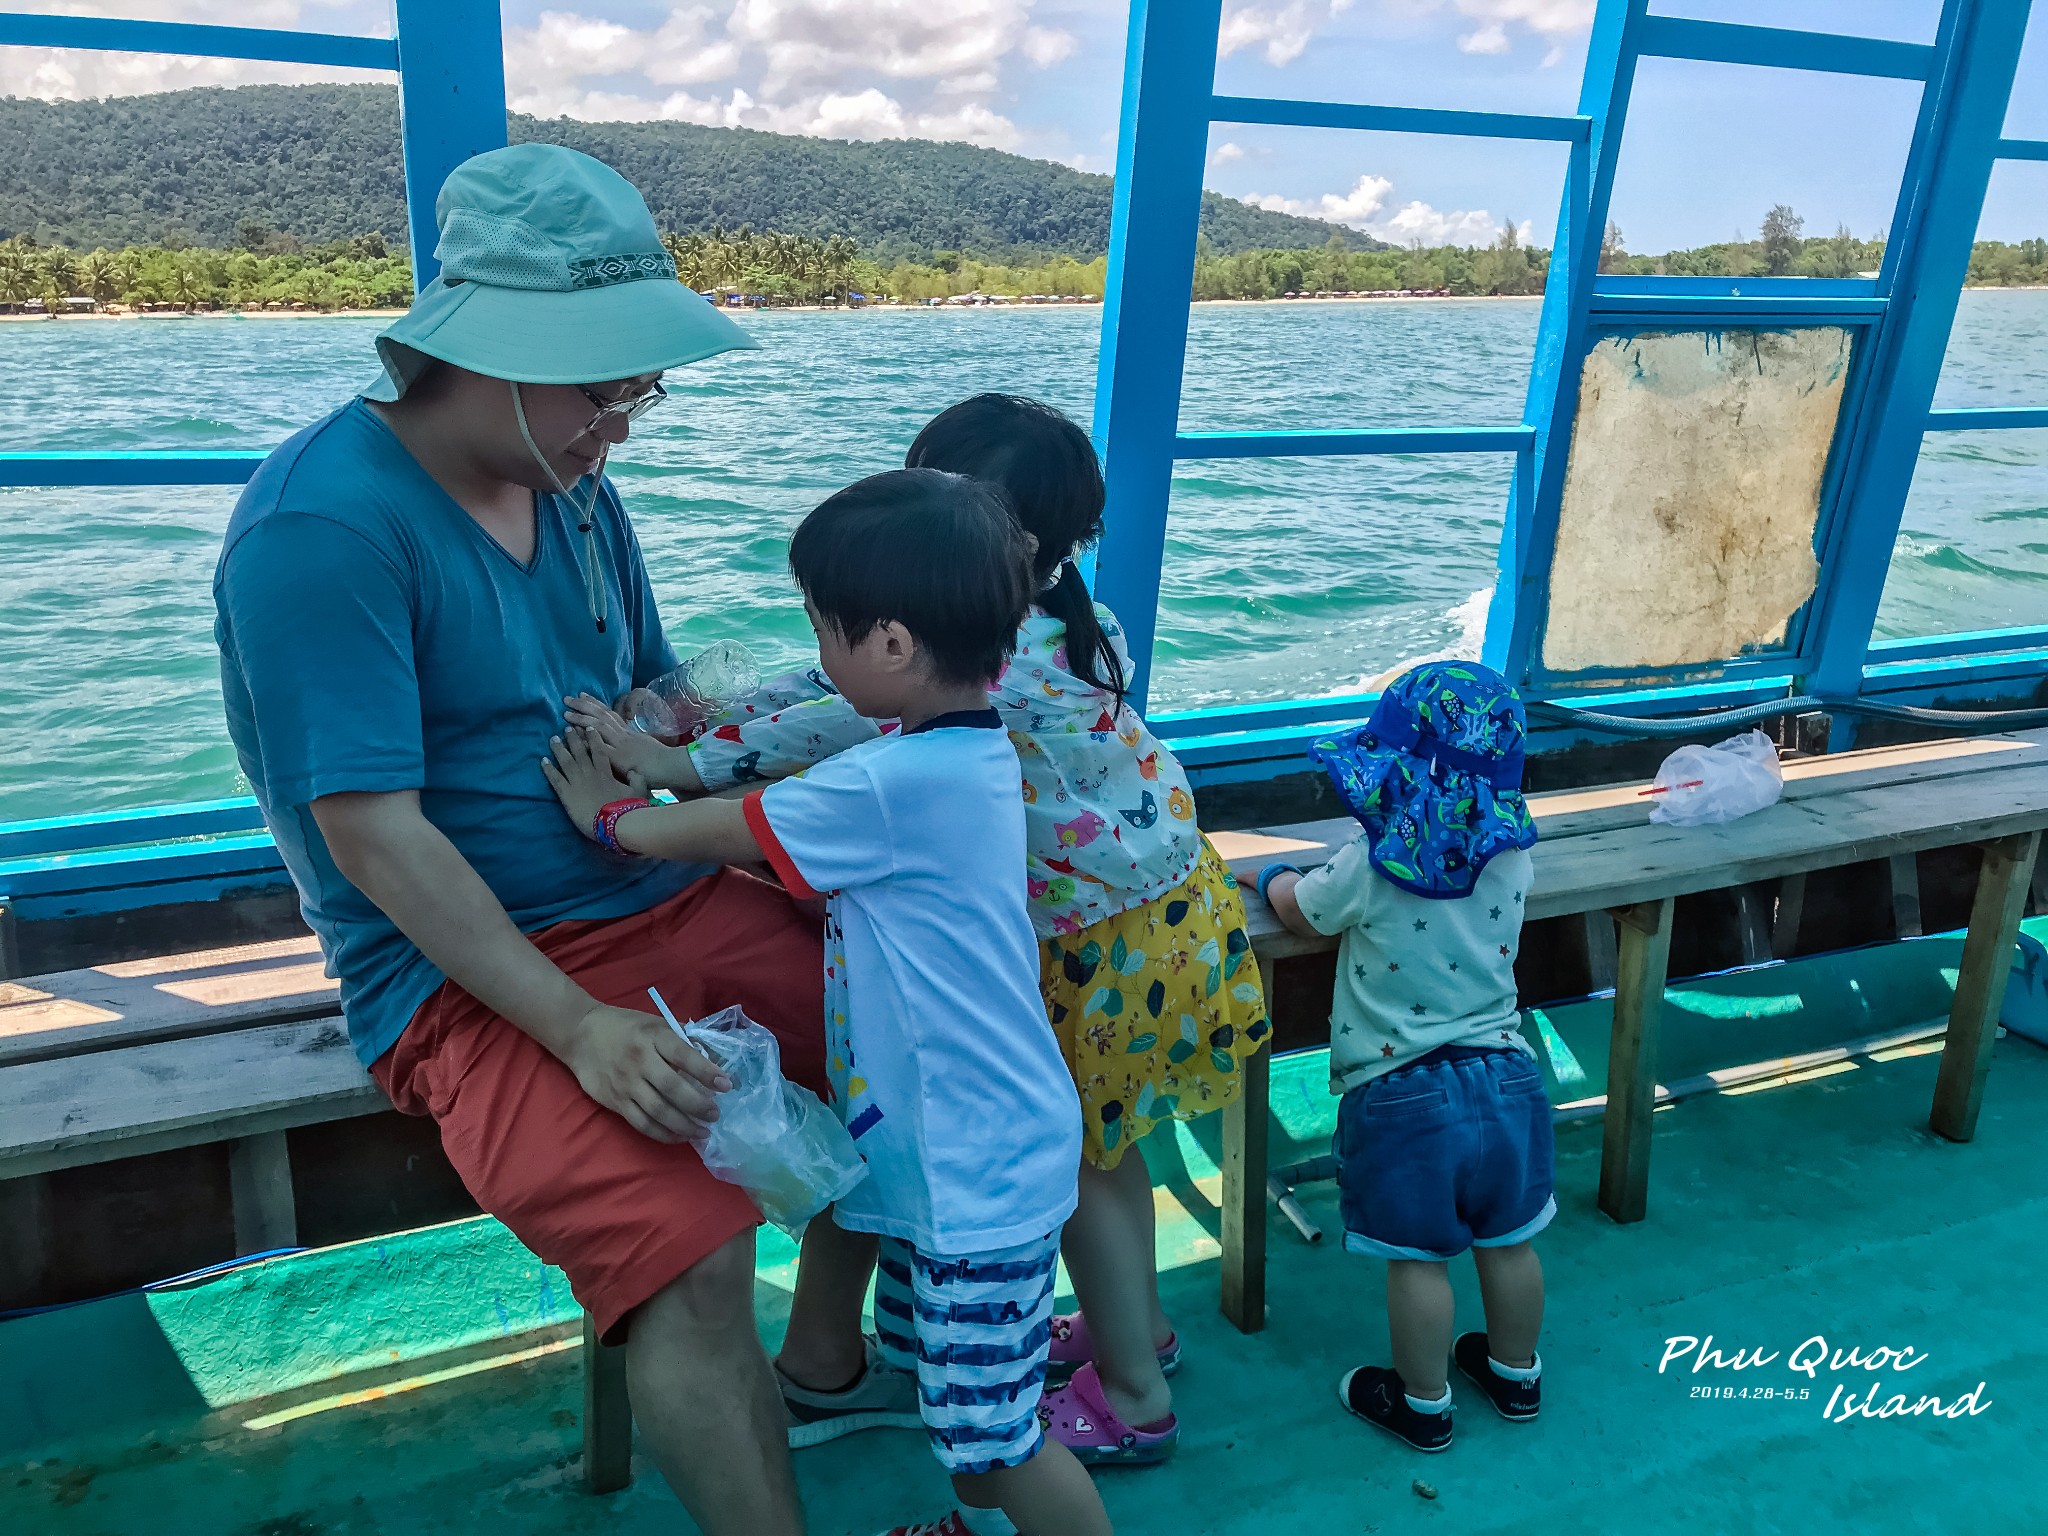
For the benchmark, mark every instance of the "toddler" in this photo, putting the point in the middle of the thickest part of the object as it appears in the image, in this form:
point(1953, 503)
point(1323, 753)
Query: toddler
point(1443, 1134)
point(1145, 966)
point(942, 1064)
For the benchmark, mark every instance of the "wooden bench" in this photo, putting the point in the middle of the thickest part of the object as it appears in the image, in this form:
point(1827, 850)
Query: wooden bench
point(231, 1045)
point(1598, 852)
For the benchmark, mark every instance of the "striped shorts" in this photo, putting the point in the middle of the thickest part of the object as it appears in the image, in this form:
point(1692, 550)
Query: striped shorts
point(976, 1331)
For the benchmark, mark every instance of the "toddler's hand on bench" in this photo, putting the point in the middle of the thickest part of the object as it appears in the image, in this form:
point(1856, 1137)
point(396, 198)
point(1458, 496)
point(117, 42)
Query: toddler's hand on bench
point(640, 1069)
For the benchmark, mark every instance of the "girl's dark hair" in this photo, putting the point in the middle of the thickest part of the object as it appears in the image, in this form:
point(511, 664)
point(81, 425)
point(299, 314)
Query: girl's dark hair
point(1047, 471)
point(939, 554)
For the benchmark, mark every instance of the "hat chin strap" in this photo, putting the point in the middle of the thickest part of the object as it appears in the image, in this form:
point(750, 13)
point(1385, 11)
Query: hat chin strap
point(593, 583)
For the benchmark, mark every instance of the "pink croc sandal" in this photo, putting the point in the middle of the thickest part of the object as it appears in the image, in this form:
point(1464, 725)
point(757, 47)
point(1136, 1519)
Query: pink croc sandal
point(1072, 1348)
point(1080, 1418)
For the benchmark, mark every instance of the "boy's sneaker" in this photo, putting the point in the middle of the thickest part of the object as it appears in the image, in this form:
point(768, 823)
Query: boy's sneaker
point(881, 1397)
point(1377, 1396)
point(1511, 1399)
point(1072, 1348)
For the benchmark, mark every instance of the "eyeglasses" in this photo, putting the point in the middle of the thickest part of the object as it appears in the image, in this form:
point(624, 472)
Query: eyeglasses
point(628, 408)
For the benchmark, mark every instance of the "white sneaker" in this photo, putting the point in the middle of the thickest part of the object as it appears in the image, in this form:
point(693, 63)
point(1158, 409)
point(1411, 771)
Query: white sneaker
point(884, 1397)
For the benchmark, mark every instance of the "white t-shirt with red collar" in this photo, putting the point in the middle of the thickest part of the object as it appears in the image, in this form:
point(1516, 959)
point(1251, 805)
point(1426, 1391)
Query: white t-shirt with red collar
point(944, 1065)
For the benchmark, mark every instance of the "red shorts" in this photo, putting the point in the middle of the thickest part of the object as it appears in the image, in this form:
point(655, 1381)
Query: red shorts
point(623, 1215)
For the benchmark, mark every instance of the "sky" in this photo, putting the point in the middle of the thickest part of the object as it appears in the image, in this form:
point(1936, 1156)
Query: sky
point(1709, 148)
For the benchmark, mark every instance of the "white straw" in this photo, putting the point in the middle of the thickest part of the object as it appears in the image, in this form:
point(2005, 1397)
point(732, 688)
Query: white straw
point(672, 1023)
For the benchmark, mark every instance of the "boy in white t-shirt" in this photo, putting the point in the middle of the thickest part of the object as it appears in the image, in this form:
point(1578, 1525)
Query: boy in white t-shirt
point(945, 1069)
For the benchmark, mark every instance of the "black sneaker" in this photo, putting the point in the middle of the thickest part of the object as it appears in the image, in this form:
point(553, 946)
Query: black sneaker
point(1511, 1399)
point(1377, 1396)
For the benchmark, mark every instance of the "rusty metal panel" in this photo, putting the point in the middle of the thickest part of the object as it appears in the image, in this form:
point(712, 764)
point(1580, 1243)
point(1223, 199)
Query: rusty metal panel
point(1686, 531)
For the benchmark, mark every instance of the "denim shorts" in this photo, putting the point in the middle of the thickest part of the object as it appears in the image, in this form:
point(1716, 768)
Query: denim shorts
point(1450, 1152)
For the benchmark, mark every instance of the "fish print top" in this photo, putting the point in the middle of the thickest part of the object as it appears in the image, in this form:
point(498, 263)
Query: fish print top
point(1109, 819)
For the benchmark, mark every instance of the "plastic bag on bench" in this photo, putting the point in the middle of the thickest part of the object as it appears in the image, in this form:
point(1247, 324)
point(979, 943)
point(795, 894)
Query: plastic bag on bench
point(1698, 786)
point(777, 1141)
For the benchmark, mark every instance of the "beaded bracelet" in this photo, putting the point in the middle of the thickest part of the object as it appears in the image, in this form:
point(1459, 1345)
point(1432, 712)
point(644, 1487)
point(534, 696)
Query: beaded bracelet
point(1272, 872)
point(606, 827)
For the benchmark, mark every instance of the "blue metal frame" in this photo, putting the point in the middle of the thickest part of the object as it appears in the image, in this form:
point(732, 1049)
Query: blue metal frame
point(1901, 320)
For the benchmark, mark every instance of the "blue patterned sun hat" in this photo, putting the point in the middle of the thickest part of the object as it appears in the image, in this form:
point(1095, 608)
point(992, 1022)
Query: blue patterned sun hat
point(1435, 777)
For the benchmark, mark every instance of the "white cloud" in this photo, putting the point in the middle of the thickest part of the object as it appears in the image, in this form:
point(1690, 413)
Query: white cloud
point(1417, 221)
point(1223, 154)
point(1046, 46)
point(790, 66)
point(1362, 206)
point(75, 74)
point(1282, 29)
point(1491, 38)
point(836, 68)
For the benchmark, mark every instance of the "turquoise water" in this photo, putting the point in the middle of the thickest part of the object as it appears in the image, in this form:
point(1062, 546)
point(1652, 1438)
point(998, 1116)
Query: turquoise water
point(1283, 578)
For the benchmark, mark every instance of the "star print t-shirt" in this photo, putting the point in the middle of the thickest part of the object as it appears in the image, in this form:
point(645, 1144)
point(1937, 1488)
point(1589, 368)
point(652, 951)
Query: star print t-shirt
point(943, 1063)
point(1414, 974)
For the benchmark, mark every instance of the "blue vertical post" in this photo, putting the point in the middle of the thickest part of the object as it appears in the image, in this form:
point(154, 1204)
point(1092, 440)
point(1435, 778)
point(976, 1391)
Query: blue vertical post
point(451, 92)
point(1169, 80)
point(1979, 53)
point(1529, 534)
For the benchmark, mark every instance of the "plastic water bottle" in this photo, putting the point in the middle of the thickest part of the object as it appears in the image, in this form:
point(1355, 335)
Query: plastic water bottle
point(676, 704)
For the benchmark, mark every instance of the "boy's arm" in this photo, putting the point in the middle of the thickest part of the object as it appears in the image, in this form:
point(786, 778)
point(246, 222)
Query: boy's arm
point(1325, 901)
point(712, 831)
point(1279, 893)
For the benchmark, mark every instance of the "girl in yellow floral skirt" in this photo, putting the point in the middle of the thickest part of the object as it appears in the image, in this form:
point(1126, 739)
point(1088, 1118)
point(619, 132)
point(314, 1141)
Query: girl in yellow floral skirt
point(1146, 964)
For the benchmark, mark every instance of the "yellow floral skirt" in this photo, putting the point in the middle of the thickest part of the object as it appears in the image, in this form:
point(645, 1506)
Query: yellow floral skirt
point(1156, 1007)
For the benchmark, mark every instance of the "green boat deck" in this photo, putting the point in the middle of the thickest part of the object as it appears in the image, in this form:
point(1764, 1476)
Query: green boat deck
point(430, 1382)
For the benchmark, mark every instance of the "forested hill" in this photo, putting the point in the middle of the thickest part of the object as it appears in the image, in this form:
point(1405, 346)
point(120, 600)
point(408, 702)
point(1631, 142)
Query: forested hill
point(321, 162)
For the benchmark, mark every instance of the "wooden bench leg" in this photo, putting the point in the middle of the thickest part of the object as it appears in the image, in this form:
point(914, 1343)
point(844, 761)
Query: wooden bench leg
point(1245, 1124)
point(1785, 921)
point(1905, 876)
point(260, 1179)
point(24, 1239)
point(1601, 955)
point(607, 1415)
point(10, 943)
point(1632, 1059)
point(1752, 932)
point(2002, 883)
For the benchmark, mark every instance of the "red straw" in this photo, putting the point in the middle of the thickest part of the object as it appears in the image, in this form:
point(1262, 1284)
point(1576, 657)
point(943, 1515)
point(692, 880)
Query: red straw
point(1665, 789)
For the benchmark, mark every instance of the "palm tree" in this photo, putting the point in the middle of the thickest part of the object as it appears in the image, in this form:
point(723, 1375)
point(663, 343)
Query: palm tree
point(19, 279)
point(186, 288)
point(60, 271)
point(102, 275)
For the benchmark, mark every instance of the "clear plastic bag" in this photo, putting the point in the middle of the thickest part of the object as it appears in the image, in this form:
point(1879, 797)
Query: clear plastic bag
point(777, 1141)
point(1698, 786)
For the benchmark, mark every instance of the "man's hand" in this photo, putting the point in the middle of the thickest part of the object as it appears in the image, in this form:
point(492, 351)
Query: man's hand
point(582, 777)
point(631, 751)
point(640, 1069)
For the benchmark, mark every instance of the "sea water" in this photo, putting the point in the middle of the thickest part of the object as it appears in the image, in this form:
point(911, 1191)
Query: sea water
point(1282, 578)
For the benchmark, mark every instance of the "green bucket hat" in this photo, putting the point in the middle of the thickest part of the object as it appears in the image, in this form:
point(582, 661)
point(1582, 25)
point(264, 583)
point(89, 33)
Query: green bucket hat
point(552, 272)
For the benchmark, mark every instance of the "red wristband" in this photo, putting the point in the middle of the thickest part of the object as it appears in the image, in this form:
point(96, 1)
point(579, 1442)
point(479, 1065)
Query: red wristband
point(606, 827)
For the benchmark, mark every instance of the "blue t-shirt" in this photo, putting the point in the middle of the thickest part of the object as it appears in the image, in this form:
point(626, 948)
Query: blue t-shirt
point(373, 637)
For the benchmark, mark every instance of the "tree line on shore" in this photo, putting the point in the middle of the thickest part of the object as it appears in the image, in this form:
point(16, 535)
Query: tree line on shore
point(270, 268)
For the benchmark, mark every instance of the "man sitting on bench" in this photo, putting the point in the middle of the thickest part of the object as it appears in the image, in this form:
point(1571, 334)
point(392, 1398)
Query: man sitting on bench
point(410, 589)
